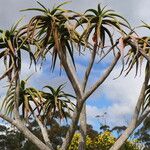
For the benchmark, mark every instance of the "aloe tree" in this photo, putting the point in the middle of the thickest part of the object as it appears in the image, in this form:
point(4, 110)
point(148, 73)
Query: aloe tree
point(99, 25)
point(27, 97)
point(53, 31)
point(43, 106)
point(59, 32)
point(11, 47)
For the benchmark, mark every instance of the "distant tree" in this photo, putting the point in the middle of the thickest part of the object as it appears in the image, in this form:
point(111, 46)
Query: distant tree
point(143, 134)
point(91, 132)
point(102, 141)
point(104, 128)
point(11, 139)
point(119, 129)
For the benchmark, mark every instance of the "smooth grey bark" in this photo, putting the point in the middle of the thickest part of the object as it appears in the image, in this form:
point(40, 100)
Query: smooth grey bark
point(83, 119)
point(82, 128)
point(67, 67)
point(82, 142)
point(102, 78)
point(19, 123)
point(44, 133)
point(16, 97)
point(80, 103)
point(77, 89)
point(73, 126)
point(29, 135)
point(136, 118)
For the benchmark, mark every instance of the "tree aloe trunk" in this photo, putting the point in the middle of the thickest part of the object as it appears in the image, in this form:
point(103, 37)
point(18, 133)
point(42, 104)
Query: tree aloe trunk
point(19, 123)
point(137, 118)
point(82, 128)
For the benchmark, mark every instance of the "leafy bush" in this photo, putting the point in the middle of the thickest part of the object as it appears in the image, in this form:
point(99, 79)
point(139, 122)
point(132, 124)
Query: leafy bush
point(102, 141)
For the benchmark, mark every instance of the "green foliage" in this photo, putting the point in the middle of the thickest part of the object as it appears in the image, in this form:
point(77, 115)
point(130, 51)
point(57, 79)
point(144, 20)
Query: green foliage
point(100, 22)
point(12, 44)
point(10, 138)
point(55, 32)
point(26, 97)
point(143, 134)
point(52, 32)
point(55, 103)
point(102, 141)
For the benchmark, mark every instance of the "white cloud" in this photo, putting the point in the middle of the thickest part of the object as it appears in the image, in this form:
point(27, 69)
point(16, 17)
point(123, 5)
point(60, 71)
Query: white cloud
point(122, 94)
point(123, 89)
point(116, 114)
point(143, 10)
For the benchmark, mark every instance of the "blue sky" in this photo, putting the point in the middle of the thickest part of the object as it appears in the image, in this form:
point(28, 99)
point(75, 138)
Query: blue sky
point(116, 97)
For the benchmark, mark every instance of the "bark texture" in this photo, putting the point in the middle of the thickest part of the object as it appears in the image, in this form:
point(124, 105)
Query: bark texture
point(136, 119)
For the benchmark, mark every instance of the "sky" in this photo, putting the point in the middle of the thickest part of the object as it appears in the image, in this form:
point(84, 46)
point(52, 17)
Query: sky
point(116, 97)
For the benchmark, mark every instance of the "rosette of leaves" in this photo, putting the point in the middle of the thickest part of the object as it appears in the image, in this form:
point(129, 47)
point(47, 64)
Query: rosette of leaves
point(52, 32)
point(29, 98)
point(139, 50)
point(99, 24)
point(11, 46)
point(57, 103)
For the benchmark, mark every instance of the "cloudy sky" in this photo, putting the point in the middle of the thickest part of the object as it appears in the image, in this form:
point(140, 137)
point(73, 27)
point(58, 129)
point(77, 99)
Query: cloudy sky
point(116, 97)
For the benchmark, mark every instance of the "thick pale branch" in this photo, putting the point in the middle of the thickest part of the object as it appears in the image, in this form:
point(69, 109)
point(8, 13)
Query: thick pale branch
point(16, 100)
point(82, 120)
point(134, 122)
point(67, 66)
point(73, 125)
point(11, 121)
point(31, 136)
point(44, 132)
point(142, 117)
point(80, 104)
point(109, 50)
point(90, 65)
point(71, 76)
point(102, 79)
point(20, 126)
